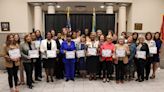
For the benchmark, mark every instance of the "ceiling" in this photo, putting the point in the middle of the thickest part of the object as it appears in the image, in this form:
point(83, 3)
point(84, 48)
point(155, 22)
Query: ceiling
point(77, 7)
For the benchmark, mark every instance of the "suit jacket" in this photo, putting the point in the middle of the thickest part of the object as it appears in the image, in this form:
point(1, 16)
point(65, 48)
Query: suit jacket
point(65, 46)
point(24, 48)
point(43, 46)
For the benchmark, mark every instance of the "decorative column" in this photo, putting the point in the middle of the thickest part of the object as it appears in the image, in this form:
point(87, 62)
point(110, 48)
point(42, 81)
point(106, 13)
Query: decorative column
point(122, 19)
point(51, 8)
point(109, 8)
point(38, 17)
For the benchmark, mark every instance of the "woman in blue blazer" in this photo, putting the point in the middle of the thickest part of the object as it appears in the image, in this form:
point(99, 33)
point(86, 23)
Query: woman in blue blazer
point(66, 46)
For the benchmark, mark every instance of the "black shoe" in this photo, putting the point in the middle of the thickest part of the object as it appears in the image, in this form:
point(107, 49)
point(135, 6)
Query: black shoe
point(33, 81)
point(52, 80)
point(67, 80)
point(30, 86)
point(47, 81)
point(141, 80)
point(137, 80)
point(38, 80)
point(73, 79)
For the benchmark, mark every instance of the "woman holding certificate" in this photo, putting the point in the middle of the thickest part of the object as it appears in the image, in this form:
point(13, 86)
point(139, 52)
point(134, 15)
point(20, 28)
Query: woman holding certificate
point(142, 54)
point(156, 56)
point(80, 53)
point(121, 51)
point(152, 50)
point(48, 49)
point(68, 50)
point(28, 58)
point(107, 50)
point(92, 56)
point(11, 53)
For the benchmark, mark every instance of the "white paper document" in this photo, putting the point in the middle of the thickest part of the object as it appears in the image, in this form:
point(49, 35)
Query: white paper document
point(141, 54)
point(92, 51)
point(33, 53)
point(51, 53)
point(70, 54)
point(153, 50)
point(120, 52)
point(15, 53)
point(80, 53)
point(106, 53)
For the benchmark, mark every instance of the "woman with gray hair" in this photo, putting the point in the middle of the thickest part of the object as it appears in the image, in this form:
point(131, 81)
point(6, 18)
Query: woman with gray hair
point(142, 55)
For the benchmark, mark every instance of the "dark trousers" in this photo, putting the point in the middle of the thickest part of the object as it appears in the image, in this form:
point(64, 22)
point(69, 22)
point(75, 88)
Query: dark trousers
point(107, 67)
point(140, 69)
point(12, 72)
point(148, 67)
point(38, 68)
point(69, 69)
point(120, 70)
point(99, 68)
point(59, 69)
point(28, 69)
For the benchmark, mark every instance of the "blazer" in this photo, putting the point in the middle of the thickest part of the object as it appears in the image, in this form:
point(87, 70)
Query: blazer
point(8, 63)
point(43, 46)
point(24, 48)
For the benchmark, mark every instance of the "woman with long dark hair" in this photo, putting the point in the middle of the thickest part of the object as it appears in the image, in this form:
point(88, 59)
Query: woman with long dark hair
point(11, 64)
point(156, 56)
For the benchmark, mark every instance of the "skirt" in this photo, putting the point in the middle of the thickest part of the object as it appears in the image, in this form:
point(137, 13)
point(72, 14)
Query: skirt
point(92, 64)
point(49, 63)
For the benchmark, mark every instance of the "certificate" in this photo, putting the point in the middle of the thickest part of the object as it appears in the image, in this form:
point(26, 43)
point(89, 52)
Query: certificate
point(92, 51)
point(15, 53)
point(153, 50)
point(106, 53)
point(120, 52)
point(37, 44)
point(51, 53)
point(141, 54)
point(70, 54)
point(80, 53)
point(33, 53)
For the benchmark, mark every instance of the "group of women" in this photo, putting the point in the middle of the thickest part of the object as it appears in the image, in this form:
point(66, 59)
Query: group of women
point(69, 54)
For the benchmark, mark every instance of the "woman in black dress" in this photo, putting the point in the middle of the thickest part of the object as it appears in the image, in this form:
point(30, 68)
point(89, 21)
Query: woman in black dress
point(92, 59)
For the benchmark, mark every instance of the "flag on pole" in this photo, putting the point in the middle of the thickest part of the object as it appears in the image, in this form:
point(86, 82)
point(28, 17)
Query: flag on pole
point(162, 29)
point(68, 19)
point(94, 21)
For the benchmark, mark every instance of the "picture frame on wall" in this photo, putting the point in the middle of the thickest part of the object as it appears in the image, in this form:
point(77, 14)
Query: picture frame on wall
point(5, 26)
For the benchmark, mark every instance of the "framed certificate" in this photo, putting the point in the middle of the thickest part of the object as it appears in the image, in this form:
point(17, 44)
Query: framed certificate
point(92, 51)
point(106, 53)
point(15, 53)
point(120, 52)
point(153, 50)
point(141, 54)
point(37, 44)
point(70, 54)
point(51, 53)
point(80, 53)
point(33, 53)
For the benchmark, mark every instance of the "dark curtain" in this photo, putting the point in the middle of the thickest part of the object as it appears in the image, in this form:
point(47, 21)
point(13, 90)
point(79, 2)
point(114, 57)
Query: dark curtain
point(104, 22)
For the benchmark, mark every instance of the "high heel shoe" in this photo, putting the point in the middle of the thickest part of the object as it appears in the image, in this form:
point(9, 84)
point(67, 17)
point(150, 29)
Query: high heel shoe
point(30, 86)
point(152, 77)
point(52, 79)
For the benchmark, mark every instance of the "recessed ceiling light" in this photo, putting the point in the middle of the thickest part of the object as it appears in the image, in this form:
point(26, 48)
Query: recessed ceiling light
point(102, 6)
point(58, 6)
